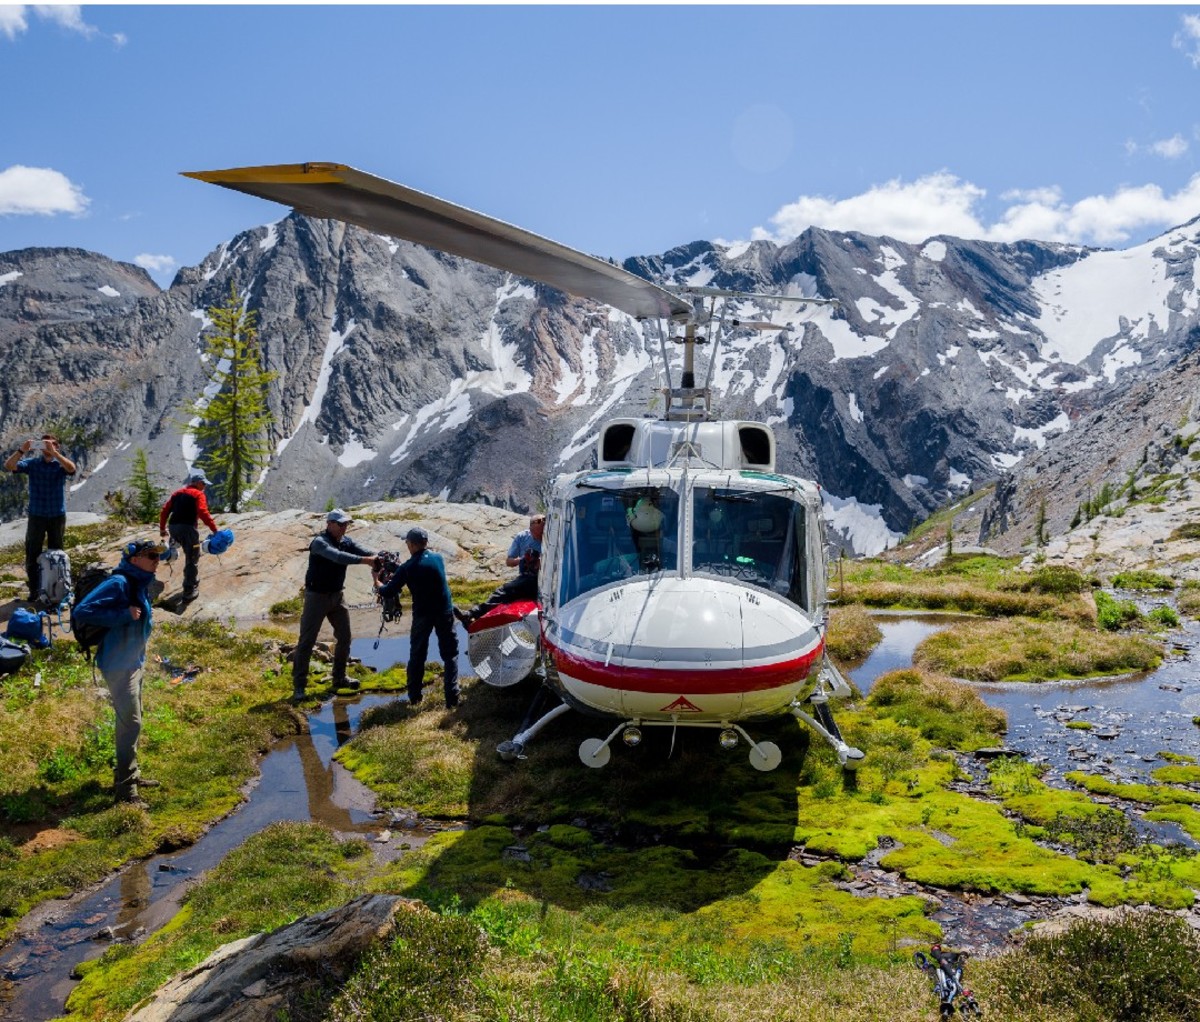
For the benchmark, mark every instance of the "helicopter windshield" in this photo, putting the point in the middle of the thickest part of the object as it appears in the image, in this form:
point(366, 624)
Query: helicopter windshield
point(755, 537)
point(616, 534)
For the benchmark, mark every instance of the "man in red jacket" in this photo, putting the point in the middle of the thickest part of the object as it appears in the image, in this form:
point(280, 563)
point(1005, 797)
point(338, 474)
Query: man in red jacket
point(180, 514)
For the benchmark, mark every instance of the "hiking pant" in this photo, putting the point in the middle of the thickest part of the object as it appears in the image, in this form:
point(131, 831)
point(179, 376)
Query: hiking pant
point(319, 608)
point(523, 587)
point(188, 538)
point(125, 689)
point(38, 529)
point(418, 650)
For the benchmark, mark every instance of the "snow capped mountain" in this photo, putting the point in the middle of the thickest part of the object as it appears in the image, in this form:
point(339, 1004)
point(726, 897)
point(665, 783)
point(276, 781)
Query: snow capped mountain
point(403, 370)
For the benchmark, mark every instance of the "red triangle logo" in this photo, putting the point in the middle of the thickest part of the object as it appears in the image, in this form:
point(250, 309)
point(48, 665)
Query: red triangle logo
point(681, 705)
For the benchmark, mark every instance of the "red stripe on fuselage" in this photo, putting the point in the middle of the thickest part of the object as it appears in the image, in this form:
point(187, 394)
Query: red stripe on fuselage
point(672, 681)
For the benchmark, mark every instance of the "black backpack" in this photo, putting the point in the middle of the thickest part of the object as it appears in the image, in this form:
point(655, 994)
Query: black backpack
point(12, 656)
point(88, 636)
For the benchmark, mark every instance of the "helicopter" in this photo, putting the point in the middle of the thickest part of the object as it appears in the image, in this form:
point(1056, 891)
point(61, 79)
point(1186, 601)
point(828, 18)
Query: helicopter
point(683, 579)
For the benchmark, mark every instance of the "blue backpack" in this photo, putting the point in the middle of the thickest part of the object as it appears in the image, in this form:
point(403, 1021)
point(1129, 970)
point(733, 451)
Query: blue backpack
point(28, 626)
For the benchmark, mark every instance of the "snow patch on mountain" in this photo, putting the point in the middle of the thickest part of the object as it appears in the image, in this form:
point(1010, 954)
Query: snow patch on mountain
point(1103, 295)
point(861, 525)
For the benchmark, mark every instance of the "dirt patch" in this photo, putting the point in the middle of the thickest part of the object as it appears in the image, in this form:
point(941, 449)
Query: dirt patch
point(47, 840)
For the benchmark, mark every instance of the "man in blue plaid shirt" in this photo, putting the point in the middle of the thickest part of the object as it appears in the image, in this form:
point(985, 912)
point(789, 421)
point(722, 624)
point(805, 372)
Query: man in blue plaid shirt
point(48, 469)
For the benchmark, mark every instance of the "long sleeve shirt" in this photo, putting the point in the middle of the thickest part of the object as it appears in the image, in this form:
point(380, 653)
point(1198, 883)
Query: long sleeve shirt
point(328, 561)
point(184, 507)
point(425, 575)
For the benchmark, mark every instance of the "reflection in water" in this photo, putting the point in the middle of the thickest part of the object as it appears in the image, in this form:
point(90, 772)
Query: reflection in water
point(901, 635)
point(393, 650)
point(299, 780)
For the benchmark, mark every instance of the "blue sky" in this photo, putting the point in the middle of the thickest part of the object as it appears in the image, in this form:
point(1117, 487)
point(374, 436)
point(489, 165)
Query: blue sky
point(618, 130)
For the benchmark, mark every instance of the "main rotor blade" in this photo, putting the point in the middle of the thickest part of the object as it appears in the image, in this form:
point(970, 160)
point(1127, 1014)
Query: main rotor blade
point(338, 192)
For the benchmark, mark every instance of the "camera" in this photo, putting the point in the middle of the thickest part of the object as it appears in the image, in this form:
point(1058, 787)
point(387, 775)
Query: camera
point(37, 446)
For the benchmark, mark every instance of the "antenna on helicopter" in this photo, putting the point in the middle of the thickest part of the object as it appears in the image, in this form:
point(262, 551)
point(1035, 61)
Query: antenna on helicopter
point(687, 402)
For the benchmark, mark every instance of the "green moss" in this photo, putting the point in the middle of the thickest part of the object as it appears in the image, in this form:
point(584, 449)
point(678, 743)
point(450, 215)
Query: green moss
point(1080, 725)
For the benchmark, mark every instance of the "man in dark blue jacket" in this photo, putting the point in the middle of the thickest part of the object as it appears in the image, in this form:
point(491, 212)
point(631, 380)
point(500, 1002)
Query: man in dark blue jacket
point(329, 555)
point(121, 604)
point(432, 610)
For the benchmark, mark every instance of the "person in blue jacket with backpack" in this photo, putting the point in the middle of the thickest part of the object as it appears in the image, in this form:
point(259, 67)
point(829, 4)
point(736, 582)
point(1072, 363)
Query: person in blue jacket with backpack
point(121, 604)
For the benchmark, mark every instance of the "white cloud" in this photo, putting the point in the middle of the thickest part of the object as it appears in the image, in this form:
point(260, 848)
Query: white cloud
point(39, 190)
point(1170, 148)
point(14, 20)
point(936, 204)
point(155, 263)
point(941, 203)
point(1187, 38)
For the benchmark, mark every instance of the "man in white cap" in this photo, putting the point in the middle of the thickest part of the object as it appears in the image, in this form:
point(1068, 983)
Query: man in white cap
point(180, 514)
point(329, 555)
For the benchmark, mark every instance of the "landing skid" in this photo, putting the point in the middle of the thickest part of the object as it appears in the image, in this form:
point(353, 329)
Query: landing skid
point(830, 683)
point(596, 752)
point(764, 756)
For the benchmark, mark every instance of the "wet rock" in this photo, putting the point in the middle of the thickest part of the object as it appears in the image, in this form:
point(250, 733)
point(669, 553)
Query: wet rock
point(995, 752)
point(595, 881)
point(516, 853)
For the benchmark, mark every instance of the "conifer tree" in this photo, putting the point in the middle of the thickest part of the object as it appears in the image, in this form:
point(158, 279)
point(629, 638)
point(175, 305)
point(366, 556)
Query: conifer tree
point(231, 417)
point(147, 497)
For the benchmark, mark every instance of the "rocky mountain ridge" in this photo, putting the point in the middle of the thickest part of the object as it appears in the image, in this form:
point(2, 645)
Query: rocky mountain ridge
point(404, 371)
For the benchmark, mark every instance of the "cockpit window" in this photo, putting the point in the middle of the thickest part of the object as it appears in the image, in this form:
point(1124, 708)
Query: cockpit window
point(754, 537)
point(615, 534)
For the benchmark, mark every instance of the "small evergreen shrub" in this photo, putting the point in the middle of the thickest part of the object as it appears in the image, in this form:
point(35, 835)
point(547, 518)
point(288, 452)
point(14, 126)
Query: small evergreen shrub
point(1055, 580)
point(1135, 967)
point(1142, 580)
point(1113, 614)
point(1164, 616)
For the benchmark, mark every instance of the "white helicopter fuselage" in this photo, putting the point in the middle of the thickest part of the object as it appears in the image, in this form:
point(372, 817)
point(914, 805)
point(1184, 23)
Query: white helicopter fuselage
point(689, 591)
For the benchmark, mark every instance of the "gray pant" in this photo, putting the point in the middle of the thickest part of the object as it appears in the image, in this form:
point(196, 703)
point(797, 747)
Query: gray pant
point(319, 607)
point(188, 538)
point(39, 529)
point(125, 688)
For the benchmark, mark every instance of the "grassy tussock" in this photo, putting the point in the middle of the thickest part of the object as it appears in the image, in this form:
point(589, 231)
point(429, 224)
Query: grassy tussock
point(851, 635)
point(989, 586)
point(1027, 650)
point(947, 712)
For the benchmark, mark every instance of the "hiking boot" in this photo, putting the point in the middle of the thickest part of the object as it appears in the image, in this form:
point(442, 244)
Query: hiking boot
point(149, 782)
point(298, 696)
point(463, 617)
point(350, 683)
point(190, 594)
point(129, 797)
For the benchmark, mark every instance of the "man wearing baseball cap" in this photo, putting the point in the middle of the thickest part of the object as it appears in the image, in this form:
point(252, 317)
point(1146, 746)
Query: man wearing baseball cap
point(432, 611)
point(329, 555)
point(121, 604)
point(180, 514)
